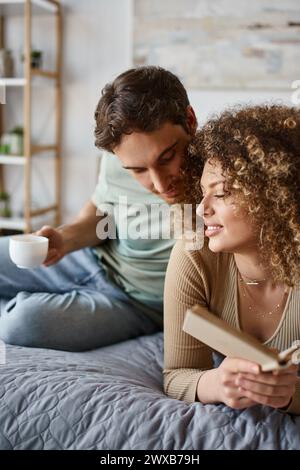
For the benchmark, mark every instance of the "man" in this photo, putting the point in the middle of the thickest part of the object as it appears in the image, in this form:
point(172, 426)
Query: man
point(97, 291)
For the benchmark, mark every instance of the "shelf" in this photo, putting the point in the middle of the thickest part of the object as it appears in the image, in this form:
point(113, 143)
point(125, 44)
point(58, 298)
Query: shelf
point(20, 159)
point(31, 79)
point(43, 148)
point(44, 73)
point(22, 81)
point(12, 81)
point(12, 223)
point(17, 223)
point(12, 160)
point(16, 7)
point(43, 210)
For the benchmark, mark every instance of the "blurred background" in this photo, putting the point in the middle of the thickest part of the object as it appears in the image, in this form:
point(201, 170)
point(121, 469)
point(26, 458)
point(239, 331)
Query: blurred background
point(224, 51)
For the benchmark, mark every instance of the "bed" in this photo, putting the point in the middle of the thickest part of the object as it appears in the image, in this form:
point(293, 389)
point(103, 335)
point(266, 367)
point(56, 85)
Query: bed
point(112, 398)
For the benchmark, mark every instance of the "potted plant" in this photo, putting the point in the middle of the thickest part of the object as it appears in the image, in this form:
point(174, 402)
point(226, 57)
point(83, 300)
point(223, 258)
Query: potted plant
point(16, 140)
point(4, 204)
point(36, 59)
point(5, 144)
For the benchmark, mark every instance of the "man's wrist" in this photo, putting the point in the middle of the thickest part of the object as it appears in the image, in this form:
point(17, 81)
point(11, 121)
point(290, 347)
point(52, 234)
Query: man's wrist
point(68, 237)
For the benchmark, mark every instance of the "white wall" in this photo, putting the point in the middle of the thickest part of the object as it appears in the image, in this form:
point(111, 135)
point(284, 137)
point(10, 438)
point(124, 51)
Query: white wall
point(208, 102)
point(97, 47)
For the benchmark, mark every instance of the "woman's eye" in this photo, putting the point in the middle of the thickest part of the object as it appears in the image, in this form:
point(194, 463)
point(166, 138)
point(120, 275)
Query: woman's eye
point(224, 194)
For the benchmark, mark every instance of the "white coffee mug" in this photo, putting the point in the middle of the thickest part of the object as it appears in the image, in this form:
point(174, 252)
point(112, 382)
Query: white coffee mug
point(28, 251)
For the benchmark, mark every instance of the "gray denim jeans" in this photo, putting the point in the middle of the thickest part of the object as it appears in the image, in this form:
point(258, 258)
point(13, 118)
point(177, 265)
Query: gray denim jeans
point(69, 306)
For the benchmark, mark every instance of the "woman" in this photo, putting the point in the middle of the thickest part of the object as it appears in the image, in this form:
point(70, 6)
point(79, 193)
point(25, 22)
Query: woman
point(244, 170)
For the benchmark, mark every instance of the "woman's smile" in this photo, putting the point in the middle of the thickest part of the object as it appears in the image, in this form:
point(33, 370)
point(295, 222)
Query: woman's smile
point(212, 230)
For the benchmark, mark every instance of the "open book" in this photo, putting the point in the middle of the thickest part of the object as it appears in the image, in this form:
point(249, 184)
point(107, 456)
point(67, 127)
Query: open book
point(229, 341)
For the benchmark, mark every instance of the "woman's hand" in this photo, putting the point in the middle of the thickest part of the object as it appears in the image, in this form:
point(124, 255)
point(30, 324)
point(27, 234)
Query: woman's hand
point(227, 374)
point(56, 244)
point(274, 389)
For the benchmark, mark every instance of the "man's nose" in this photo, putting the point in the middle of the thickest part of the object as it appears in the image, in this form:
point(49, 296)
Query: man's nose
point(160, 182)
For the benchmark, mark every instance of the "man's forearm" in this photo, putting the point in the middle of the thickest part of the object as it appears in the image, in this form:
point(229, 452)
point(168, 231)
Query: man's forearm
point(81, 232)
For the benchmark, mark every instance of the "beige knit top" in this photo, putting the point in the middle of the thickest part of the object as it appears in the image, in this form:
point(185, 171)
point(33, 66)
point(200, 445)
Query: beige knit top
point(210, 279)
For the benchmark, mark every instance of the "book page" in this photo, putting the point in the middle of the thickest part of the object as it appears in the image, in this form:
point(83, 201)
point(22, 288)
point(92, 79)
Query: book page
point(229, 341)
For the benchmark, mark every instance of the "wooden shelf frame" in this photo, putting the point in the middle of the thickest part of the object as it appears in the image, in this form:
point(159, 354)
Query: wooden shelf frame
point(16, 7)
point(30, 149)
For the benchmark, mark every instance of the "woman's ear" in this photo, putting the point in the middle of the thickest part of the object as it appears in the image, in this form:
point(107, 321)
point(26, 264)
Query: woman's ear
point(192, 123)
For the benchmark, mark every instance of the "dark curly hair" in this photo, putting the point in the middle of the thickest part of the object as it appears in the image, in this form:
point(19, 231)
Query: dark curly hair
point(258, 148)
point(140, 99)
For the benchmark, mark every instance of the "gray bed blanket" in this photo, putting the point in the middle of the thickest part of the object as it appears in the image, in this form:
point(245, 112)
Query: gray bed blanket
point(112, 398)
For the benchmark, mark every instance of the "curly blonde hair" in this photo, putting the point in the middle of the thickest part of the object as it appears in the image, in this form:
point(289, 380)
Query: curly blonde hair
point(258, 148)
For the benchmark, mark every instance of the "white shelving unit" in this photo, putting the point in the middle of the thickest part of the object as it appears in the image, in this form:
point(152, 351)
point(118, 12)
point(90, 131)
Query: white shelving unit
point(12, 160)
point(28, 8)
point(12, 223)
point(9, 82)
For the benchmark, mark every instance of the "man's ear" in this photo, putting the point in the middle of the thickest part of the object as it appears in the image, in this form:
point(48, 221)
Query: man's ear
point(191, 120)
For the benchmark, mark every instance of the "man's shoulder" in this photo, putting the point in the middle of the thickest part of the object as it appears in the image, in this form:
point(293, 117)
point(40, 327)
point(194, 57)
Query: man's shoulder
point(111, 167)
point(120, 182)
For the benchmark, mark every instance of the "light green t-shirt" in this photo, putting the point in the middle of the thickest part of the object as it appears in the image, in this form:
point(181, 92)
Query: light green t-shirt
point(132, 260)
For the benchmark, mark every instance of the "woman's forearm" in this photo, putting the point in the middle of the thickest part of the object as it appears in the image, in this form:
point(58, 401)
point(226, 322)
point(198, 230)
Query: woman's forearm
point(207, 388)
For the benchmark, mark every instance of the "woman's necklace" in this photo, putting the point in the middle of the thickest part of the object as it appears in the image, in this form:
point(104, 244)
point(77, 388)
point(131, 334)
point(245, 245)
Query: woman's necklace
point(245, 294)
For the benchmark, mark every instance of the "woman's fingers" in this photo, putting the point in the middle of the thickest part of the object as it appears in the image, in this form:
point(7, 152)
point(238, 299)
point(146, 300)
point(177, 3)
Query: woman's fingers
point(292, 369)
point(235, 399)
point(234, 366)
point(270, 379)
point(266, 389)
point(245, 402)
point(275, 402)
point(243, 384)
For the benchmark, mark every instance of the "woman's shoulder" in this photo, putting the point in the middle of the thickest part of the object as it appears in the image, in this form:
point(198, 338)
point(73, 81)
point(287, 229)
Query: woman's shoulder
point(200, 255)
point(194, 274)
